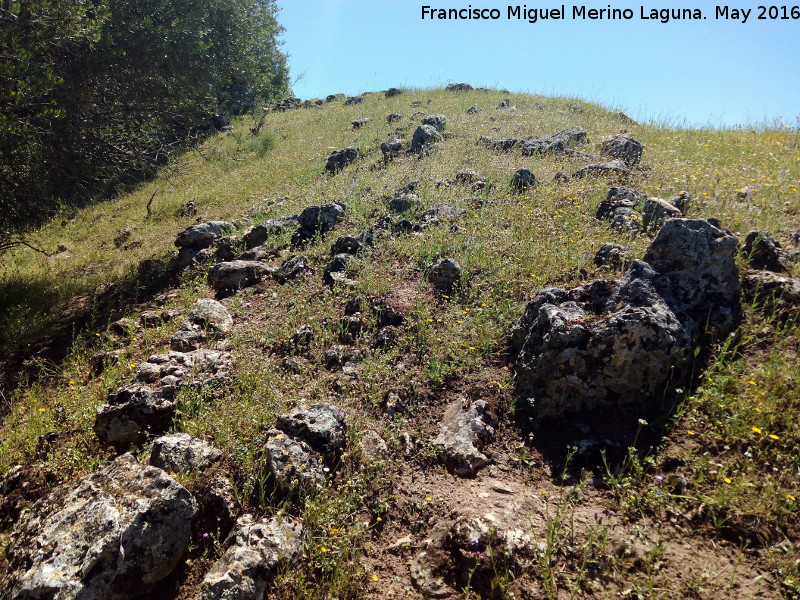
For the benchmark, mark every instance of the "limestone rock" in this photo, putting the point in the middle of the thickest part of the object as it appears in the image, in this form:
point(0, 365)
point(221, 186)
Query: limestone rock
point(253, 552)
point(202, 235)
point(237, 274)
point(181, 452)
point(656, 211)
point(111, 536)
point(131, 414)
point(321, 426)
point(293, 266)
point(292, 462)
point(622, 147)
point(463, 434)
point(210, 315)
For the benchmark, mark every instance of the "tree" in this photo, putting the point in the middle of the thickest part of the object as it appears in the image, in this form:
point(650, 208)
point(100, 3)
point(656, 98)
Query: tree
point(94, 93)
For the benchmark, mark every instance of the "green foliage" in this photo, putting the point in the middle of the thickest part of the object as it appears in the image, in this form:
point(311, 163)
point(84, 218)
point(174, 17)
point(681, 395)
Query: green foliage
point(102, 92)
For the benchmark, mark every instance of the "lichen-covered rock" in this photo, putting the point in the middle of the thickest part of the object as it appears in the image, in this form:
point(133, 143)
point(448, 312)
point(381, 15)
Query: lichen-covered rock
point(403, 202)
point(772, 292)
point(210, 315)
point(237, 274)
point(292, 462)
point(611, 255)
point(392, 92)
point(339, 159)
point(437, 121)
point(337, 266)
point(458, 87)
point(622, 147)
point(627, 347)
point(463, 434)
point(763, 252)
point(359, 123)
point(112, 536)
point(131, 414)
point(322, 218)
point(202, 235)
point(424, 137)
point(392, 149)
point(321, 426)
point(178, 452)
point(292, 267)
point(346, 244)
point(504, 145)
point(656, 211)
point(354, 100)
point(252, 554)
point(445, 275)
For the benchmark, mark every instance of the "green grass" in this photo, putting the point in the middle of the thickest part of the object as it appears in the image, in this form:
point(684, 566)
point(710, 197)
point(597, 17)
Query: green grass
point(741, 459)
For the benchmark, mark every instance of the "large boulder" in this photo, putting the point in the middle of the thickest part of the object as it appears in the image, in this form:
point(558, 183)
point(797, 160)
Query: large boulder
point(626, 347)
point(202, 235)
point(113, 535)
point(131, 414)
point(253, 553)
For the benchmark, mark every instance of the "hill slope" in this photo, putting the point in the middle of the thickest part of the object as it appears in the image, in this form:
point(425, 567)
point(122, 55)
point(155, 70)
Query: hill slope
point(705, 502)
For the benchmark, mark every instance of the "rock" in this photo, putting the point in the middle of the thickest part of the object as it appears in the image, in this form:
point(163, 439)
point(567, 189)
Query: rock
point(359, 123)
point(403, 202)
point(253, 553)
point(437, 121)
point(764, 252)
point(620, 207)
point(611, 255)
point(681, 201)
point(300, 340)
point(773, 292)
point(506, 103)
point(292, 463)
point(338, 264)
point(257, 253)
point(153, 318)
point(656, 211)
point(258, 234)
point(294, 265)
point(622, 147)
point(178, 452)
point(347, 244)
point(373, 447)
point(614, 168)
point(333, 97)
point(122, 236)
point(131, 414)
point(203, 235)
point(113, 535)
point(463, 434)
point(625, 348)
point(557, 143)
point(387, 315)
point(394, 405)
point(391, 149)
point(353, 100)
point(387, 337)
point(474, 110)
point(210, 315)
point(458, 87)
point(467, 176)
point(339, 159)
point(392, 92)
point(288, 104)
point(339, 356)
point(504, 145)
point(350, 327)
point(424, 137)
point(522, 180)
point(187, 340)
point(321, 426)
point(322, 218)
point(237, 274)
point(394, 117)
point(440, 213)
point(445, 275)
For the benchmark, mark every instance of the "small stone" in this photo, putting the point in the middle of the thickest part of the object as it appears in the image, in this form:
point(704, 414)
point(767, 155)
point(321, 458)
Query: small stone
point(445, 275)
point(462, 437)
point(522, 180)
point(291, 268)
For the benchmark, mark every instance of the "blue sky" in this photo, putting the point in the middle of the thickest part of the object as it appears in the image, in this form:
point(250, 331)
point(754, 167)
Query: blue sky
point(692, 73)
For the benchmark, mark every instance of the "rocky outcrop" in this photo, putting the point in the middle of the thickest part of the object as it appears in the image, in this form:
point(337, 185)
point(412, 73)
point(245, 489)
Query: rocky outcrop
point(437, 121)
point(293, 464)
point(131, 414)
point(458, 87)
point(113, 535)
point(252, 555)
point(626, 347)
point(321, 426)
point(557, 143)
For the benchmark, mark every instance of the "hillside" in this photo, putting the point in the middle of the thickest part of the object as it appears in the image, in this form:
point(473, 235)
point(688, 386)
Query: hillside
point(396, 424)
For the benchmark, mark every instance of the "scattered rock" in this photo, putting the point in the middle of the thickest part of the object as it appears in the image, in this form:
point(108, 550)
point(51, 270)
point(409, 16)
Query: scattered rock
point(210, 315)
point(458, 87)
point(292, 267)
point(464, 432)
point(611, 255)
point(187, 339)
point(440, 213)
point(321, 219)
point(336, 268)
point(681, 201)
point(259, 234)
point(394, 405)
point(131, 414)
point(359, 123)
point(391, 149)
point(522, 180)
point(373, 447)
point(350, 327)
point(764, 252)
point(321, 426)
point(623, 147)
point(773, 292)
point(474, 110)
point(252, 555)
point(113, 535)
point(424, 137)
point(656, 211)
point(203, 235)
point(614, 168)
point(347, 244)
point(557, 143)
point(178, 452)
point(387, 337)
point(445, 275)
point(394, 117)
point(403, 202)
point(292, 463)
point(436, 121)
point(339, 159)
point(353, 100)
point(506, 103)
point(237, 274)
point(504, 145)
point(392, 92)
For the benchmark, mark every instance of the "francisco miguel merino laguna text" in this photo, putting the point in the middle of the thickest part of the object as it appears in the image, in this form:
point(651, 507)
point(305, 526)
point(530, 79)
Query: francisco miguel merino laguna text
point(533, 15)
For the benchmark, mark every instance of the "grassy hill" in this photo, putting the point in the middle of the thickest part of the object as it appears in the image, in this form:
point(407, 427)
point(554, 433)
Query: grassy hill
point(729, 526)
